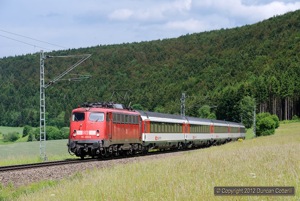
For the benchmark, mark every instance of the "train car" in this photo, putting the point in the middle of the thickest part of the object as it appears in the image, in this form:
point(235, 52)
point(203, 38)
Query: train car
point(199, 134)
point(163, 131)
point(109, 129)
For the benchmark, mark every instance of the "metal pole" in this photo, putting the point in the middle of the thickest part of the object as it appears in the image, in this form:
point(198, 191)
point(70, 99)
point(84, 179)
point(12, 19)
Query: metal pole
point(42, 109)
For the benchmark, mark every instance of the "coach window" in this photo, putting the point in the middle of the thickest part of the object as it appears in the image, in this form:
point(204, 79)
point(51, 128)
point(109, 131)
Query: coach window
point(234, 130)
point(96, 116)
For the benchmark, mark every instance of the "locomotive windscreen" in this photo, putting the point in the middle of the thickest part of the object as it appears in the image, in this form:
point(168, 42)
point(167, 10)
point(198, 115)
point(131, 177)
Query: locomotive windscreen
point(96, 116)
point(78, 116)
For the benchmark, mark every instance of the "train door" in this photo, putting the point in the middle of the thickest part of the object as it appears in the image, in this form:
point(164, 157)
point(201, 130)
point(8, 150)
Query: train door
point(212, 130)
point(186, 128)
point(109, 122)
point(140, 127)
point(146, 126)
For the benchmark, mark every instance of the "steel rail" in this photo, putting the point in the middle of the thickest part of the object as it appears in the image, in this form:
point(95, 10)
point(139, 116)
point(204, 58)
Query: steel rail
point(44, 164)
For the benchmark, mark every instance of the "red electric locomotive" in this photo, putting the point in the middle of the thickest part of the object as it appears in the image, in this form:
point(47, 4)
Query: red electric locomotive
point(108, 129)
point(103, 129)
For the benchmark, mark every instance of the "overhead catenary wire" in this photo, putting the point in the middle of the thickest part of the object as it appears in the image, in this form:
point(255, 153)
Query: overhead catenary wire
point(84, 57)
point(45, 42)
point(24, 42)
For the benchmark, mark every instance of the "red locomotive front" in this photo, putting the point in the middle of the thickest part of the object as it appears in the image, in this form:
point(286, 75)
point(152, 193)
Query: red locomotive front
point(100, 129)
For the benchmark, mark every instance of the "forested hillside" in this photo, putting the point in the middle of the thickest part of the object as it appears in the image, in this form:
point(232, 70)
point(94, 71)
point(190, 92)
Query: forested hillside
point(217, 68)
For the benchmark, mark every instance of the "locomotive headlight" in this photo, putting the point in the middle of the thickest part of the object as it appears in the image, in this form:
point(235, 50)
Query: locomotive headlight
point(97, 133)
point(74, 133)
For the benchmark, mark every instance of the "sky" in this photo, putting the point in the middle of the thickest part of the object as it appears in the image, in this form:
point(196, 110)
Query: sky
point(29, 26)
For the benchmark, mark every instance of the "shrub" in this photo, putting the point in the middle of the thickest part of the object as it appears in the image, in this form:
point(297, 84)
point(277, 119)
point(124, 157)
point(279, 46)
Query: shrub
point(276, 120)
point(36, 133)
point(265, 126)
point(26, 130)
point(31, 137)
point(295, 118)
point(11, 137)
point(53, 133)
point(65, 132)
point(262, 115)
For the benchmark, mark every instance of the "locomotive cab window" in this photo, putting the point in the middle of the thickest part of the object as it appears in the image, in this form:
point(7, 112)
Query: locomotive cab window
point(77, 116)
point(96, 116)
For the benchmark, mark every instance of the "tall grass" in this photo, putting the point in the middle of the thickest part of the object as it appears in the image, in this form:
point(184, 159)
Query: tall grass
point(264, 161)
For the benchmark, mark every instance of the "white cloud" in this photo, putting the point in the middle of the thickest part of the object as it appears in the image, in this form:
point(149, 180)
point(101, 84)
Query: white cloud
point(121, 14)
point(193, 25)
point(159, 10)
point(189, 25)
point(182, 5)
point(250, 11)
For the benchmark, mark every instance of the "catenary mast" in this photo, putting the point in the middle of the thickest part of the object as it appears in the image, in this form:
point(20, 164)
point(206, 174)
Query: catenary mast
point(42, 95)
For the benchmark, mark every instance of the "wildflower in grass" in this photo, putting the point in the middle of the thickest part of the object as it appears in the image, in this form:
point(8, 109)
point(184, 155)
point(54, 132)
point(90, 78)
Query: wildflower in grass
point(253, 175)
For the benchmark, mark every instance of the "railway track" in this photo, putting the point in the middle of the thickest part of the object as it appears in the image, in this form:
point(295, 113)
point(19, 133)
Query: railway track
point(74, 161)
point(44, 164)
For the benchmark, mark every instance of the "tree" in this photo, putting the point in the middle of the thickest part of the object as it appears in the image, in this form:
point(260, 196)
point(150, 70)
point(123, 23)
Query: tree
point(246, 107)
point(137, 107)
point(160, 109)
point(59, 121)
point(205, 112)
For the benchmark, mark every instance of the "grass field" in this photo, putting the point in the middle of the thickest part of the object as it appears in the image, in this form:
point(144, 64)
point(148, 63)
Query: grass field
point(6, 130)
point(21, 151)
point(263, 161)
point(29, 152)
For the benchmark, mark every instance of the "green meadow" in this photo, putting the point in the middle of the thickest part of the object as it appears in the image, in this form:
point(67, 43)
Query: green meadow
point(29, 152)
point(21, 151)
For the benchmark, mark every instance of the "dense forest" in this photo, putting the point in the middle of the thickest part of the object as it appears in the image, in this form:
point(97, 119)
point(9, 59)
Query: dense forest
point(218, 68)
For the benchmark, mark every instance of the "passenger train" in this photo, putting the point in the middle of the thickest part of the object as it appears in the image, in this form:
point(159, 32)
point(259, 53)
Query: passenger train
point(102, 130)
